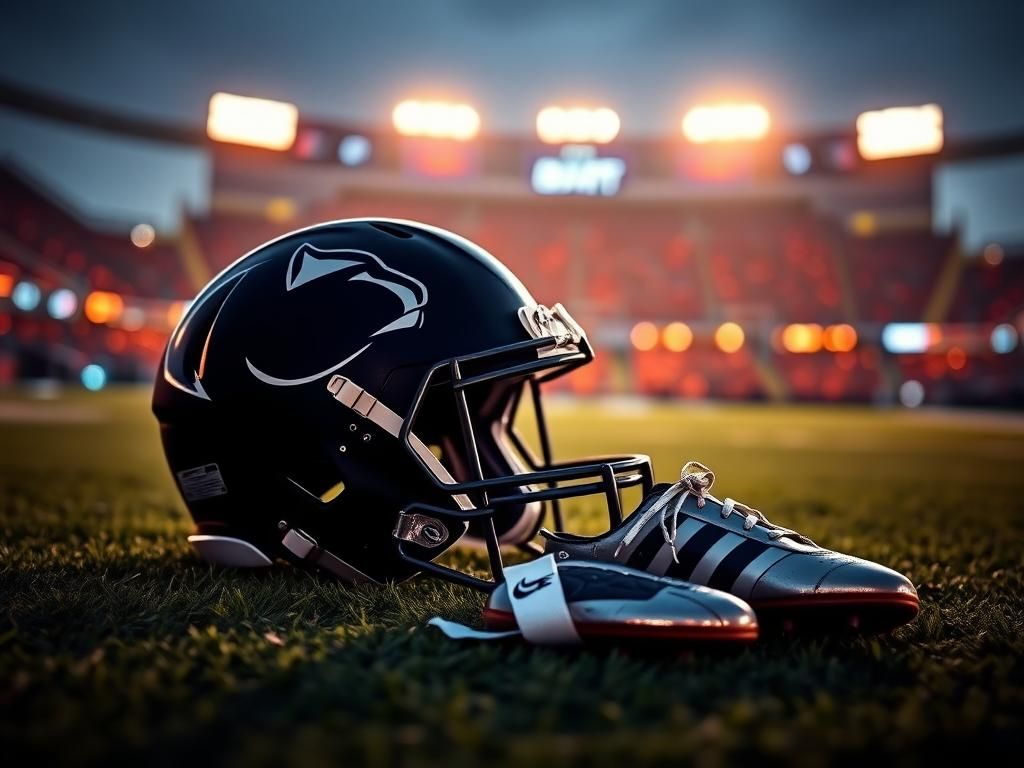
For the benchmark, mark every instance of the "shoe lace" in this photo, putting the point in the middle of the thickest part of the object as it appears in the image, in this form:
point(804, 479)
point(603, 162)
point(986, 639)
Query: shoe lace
point(696, 480)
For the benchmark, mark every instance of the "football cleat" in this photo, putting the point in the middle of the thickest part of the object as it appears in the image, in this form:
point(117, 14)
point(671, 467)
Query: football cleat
point(684, 532)
point(575, 601)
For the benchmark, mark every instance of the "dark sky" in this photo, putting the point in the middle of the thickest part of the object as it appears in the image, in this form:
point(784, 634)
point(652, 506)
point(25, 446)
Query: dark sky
point(814, 63)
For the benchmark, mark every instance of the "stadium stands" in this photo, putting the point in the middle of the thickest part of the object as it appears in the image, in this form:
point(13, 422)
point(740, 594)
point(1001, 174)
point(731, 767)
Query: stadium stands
point(910, 263)
point(762, 263)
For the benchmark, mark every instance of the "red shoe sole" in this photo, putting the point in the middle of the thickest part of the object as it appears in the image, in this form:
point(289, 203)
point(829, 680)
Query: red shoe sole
point(866, 613)
point(500, 621)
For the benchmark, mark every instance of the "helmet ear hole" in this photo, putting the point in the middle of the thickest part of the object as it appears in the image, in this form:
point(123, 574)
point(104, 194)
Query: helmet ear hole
point(318, 478)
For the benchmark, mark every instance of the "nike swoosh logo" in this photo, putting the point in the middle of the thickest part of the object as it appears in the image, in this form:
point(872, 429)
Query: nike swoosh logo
point(526, 587)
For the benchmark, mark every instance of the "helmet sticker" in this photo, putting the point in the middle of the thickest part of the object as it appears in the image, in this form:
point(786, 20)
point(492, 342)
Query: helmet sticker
point(310, 263)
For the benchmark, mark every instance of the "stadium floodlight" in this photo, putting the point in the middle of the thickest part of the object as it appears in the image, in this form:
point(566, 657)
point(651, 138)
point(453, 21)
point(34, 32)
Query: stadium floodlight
point(436, 120)
point(726, 122)
point(253, 122)
point(577, 125)
point(900, 132)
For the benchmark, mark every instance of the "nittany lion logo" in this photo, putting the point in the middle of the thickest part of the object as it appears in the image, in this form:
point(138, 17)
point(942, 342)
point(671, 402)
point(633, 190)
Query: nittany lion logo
point(307, 265)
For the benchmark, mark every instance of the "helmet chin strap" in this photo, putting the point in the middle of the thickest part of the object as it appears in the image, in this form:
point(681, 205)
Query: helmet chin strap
point(352, 396)
point(304, 547)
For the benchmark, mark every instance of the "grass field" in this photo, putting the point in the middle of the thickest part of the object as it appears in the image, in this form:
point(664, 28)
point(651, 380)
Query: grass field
point(118, 645)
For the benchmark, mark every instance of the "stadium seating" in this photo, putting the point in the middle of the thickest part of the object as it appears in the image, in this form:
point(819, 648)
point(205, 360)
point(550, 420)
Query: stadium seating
point(774, 261)
point(762, 263)
point(910, 262)
point(990, 293)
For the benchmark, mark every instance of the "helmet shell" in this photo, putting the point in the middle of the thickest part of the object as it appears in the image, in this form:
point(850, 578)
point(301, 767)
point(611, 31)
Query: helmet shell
point(243, 386)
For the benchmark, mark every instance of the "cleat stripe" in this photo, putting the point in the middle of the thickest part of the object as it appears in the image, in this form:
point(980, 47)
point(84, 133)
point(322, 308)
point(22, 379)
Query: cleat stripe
point(661, 562)
point(714, 556)
point(732, 566)
point(694, 550)
point(757, 568)
point(654, 554)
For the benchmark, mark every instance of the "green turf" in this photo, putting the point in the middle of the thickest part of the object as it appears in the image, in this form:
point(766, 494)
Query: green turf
point(116, 644)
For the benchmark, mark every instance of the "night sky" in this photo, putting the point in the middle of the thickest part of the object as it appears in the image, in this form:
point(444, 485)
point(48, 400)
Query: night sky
point(815, 64)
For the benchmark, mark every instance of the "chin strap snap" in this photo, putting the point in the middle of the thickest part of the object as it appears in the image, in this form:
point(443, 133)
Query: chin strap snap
point(304, 547)
point(420, 529)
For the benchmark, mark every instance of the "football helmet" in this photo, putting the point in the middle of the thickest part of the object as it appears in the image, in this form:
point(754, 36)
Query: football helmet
point(343, 397)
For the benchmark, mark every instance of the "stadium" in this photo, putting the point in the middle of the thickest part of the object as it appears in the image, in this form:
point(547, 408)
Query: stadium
point(808, 310)
point(787, 269)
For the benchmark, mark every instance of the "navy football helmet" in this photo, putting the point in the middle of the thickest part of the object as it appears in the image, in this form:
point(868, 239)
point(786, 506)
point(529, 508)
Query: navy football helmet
point(343, 397)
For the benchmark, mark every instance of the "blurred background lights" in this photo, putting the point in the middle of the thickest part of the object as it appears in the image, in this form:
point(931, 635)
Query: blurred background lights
point(1004, 339)
point(309, 144)
point(133, 318)
point(62, 304)
point(94, 377)
point(6, 285)
point(862, 223)
point(644, 336)
point(899, 132)
point(802, 338)
point(280, 209)
point(956, 358)
point(911, 393)
point(993, 254)
point(143, 235)
point(676, 337)
point(726, 122)
point(729, 337)
point(839, 338)
point(253, 122)
point(354, 150)
point(175, 312)
point(26, 296)
point(103, 307)
point(436, 120)
point(577, 125)
point(909, 338)
point(796, 159)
